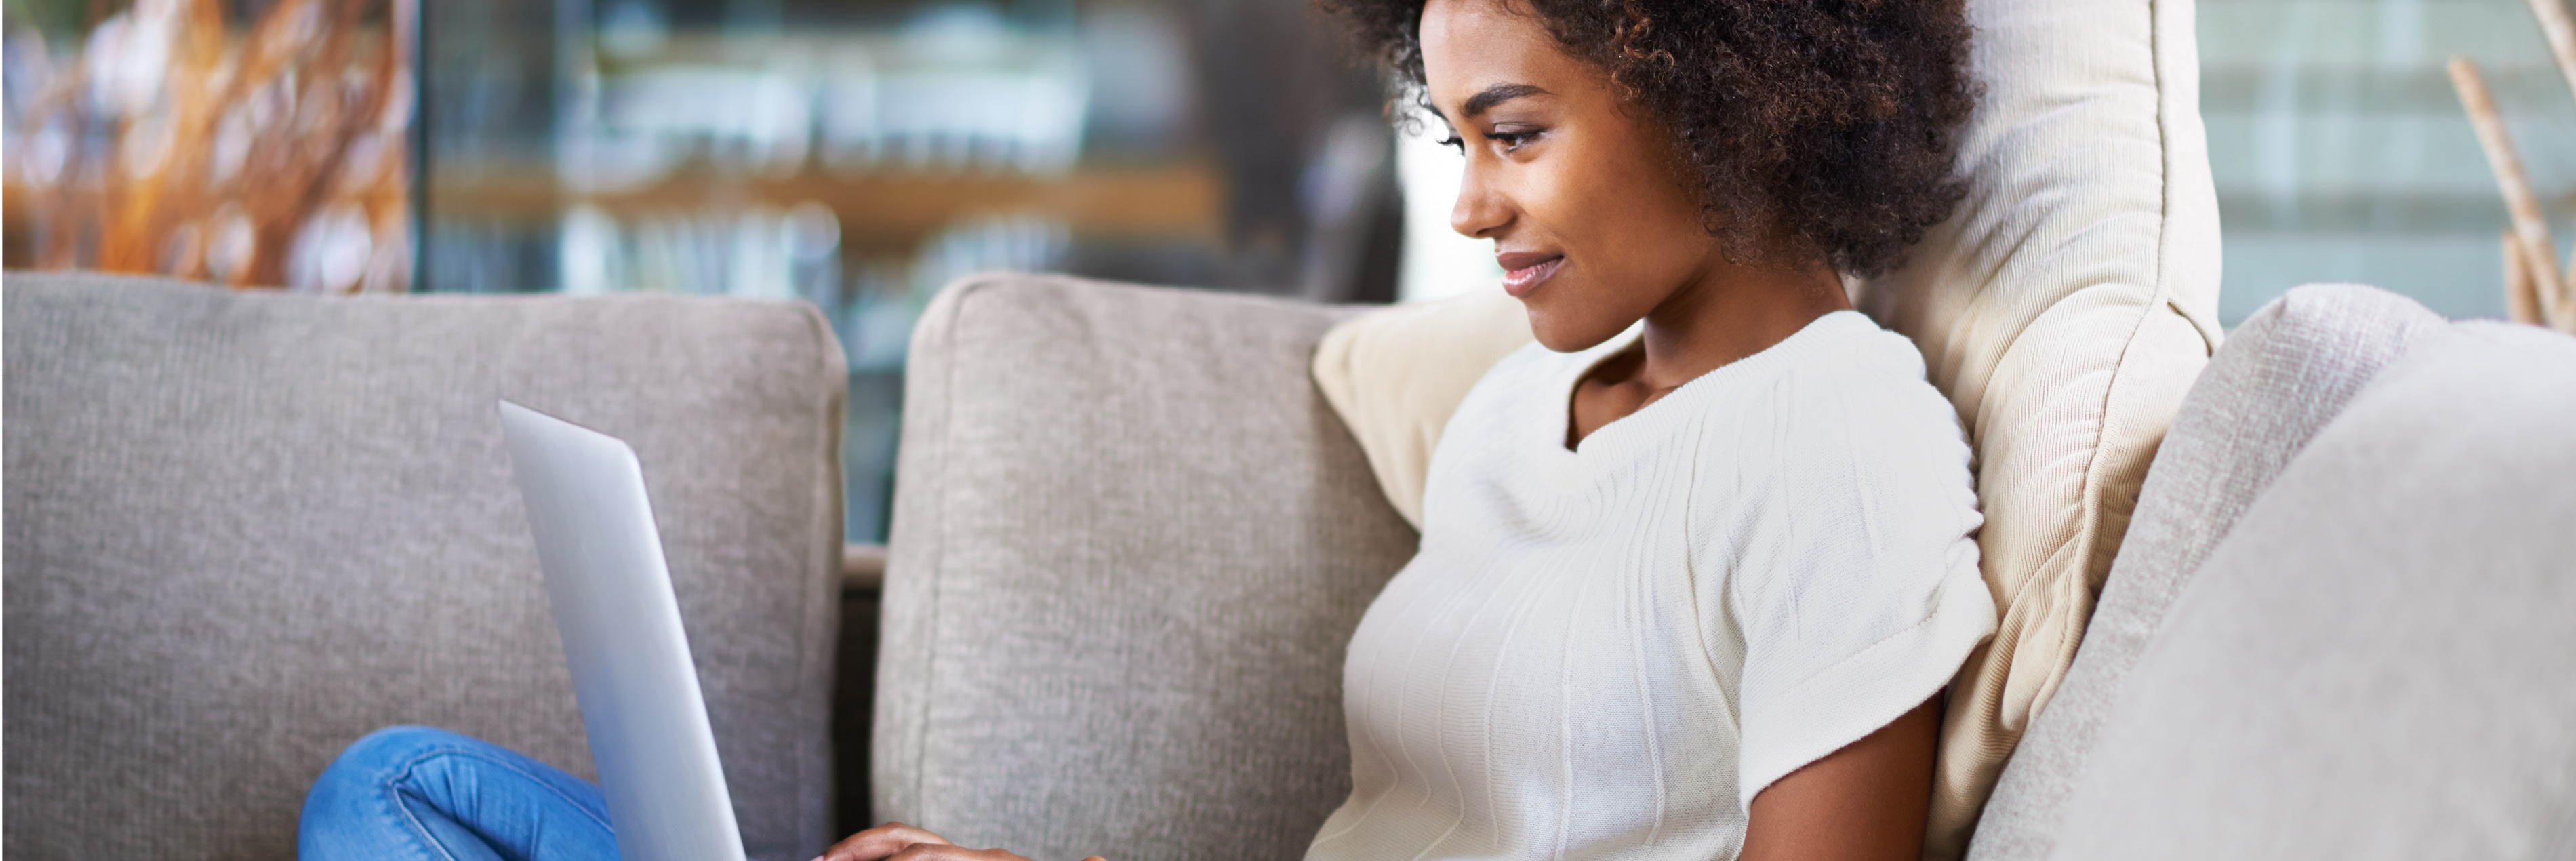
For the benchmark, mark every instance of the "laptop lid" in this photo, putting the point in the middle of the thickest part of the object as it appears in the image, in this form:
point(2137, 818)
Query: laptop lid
point(611, 598)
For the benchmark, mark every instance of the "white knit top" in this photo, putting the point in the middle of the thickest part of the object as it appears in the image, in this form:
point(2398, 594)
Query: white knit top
point(1606, 652)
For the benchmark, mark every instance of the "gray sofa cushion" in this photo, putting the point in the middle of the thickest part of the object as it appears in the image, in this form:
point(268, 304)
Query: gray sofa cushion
point(244, 530)
point(2283, 375)
point(2377, 661)
point(1130, 544)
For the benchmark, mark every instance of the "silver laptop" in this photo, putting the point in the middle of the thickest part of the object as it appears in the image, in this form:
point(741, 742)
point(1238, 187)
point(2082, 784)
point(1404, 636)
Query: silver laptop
point(612, 602)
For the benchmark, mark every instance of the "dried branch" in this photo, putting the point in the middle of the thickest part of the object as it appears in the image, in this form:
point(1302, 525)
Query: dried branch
point(2529, 226)
point(2561, 33)
point(2521, 291)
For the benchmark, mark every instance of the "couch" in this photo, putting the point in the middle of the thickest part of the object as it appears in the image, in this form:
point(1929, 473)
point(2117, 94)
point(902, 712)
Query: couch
point(1130, 541)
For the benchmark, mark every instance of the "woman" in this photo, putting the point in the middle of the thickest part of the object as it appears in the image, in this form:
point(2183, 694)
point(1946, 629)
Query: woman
point(1695, 569)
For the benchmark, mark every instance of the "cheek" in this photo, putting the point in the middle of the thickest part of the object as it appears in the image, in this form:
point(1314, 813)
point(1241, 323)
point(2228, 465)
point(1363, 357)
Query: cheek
point(1629, 213)
point(1633, 231)
point(1632, 249)
point(1617, 274)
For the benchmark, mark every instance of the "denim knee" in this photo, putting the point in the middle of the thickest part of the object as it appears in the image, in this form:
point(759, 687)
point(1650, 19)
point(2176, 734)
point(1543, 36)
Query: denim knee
point(414, 792)
point(398, 743)
point(374, 761)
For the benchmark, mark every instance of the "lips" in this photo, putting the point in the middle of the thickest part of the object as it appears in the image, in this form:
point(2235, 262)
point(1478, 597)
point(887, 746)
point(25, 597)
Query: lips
point(1523, 271)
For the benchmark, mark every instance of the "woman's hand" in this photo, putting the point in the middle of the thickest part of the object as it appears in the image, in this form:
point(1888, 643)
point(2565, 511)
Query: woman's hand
point(895, 841)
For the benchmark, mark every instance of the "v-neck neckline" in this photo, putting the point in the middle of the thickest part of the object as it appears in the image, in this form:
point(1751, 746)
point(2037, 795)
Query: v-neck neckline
point(1604, 442)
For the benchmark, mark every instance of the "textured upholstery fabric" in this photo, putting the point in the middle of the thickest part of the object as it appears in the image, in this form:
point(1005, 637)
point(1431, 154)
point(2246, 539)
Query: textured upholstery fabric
point(2377, 662)
point(1130, 544)
point(2283, 375)
point(243, 530)
point(2064, 310)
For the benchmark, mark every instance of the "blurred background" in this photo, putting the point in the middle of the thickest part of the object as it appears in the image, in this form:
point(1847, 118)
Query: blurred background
point(854, 153)
point(860, 153)
point(2341, 154)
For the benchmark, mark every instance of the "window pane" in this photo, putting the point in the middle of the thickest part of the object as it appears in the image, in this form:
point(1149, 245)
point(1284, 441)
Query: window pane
point(2341, 153)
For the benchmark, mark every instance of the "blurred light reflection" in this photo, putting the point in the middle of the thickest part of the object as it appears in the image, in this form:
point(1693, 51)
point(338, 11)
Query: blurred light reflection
point(251, 144)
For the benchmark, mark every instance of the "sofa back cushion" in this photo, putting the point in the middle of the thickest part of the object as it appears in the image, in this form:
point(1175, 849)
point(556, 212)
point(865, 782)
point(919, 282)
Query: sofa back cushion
point(244, 530)
point(2377, 660)
point(1130, 545)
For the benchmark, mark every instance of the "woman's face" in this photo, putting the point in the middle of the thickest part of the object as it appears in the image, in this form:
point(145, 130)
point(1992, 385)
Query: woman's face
point(1594, 223)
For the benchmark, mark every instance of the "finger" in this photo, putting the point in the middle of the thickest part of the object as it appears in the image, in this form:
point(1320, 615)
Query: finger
point(945, 852)
point(880, 842)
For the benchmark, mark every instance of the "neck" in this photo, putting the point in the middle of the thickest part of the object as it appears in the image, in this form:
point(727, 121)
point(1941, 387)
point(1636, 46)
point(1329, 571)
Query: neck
point(1730, 312)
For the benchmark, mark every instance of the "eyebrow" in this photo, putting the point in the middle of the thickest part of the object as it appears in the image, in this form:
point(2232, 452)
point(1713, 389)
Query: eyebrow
point(1497, 94)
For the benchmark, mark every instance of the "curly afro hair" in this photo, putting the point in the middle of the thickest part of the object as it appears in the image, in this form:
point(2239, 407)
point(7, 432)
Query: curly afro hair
point(1834, 120)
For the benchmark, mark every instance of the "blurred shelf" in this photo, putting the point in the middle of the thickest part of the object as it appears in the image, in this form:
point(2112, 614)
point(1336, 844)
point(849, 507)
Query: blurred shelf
point(872, 207)
point(881, 210)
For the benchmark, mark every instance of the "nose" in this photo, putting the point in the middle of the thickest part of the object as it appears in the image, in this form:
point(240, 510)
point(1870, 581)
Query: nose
point(1481, 211)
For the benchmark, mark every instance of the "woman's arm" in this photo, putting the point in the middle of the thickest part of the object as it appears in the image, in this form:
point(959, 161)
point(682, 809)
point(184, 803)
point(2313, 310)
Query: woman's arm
point(1865, 801)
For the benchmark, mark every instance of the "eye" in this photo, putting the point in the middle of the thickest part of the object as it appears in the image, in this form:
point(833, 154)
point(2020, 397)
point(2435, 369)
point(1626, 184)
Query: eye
point(1513, 137)
point(1454, 142)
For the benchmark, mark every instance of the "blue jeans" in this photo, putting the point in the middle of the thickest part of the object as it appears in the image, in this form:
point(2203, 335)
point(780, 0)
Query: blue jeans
point(412, 792)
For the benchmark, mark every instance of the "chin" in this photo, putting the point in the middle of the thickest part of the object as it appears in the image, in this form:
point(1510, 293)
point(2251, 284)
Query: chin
point(1567, 333)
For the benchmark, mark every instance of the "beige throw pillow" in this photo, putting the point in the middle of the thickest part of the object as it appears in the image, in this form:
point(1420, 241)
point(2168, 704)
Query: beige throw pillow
point(2064, 310)
point(1395, 375)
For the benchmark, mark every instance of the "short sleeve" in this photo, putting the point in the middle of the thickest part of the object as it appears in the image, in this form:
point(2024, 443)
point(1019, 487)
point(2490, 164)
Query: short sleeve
point(1853, 571)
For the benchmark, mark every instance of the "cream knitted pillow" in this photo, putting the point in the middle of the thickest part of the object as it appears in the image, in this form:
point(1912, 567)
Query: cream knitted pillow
point(2064, 310)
